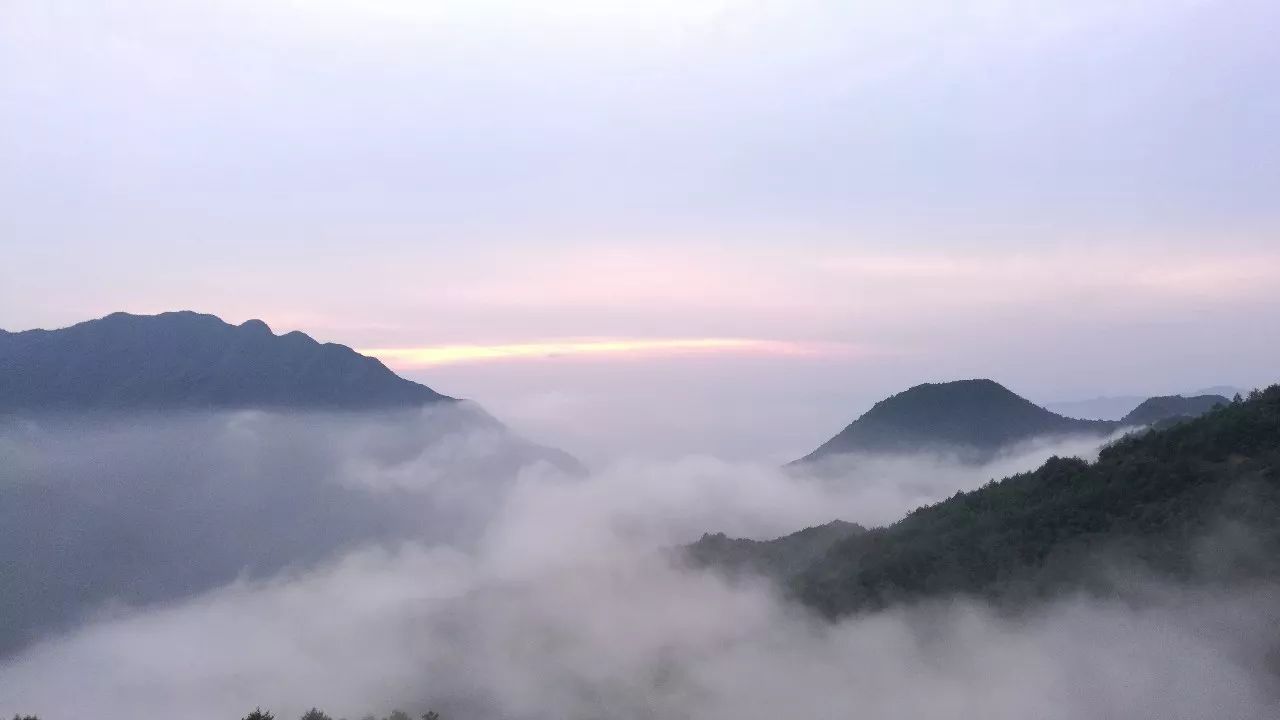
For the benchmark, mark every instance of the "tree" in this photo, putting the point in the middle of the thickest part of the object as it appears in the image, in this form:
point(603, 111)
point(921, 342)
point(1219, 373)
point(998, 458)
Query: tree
point(315, 714)
point(399, 715)
point(259, 714)
point(1034, 534)
point(431, 715)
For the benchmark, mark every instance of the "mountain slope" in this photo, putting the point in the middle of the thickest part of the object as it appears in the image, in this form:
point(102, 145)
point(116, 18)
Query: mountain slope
point(131, 473)
point(1172, 407)
point(974, 417)
point(190, 360)
point(779, 558)
point(1199, 498)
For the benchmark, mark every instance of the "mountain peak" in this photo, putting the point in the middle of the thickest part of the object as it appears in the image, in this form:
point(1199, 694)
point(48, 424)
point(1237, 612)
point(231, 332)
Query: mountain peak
point(185, 359)
point(301, 337)
point(976, 416)
point(256, 326)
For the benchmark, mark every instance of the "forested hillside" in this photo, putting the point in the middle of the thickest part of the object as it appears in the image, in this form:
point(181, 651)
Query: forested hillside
point(778, 558)
point(184, 360)
point(1199, 500)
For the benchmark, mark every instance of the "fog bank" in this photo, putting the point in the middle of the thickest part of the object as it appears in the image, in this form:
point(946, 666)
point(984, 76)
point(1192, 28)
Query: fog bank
point(563, 604)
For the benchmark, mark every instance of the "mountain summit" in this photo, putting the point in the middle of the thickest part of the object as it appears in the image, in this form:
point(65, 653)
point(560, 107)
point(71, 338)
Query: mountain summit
point(191, 360)
point(977, 417)
point(1172, 407)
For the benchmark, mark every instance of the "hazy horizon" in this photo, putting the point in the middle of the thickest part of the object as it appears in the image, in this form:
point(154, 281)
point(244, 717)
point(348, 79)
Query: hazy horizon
point(763, 216)
point(748, 407)
point(667, 248)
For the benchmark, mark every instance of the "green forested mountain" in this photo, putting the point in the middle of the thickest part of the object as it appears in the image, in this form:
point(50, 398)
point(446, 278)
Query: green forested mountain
point(779, 558)
point(974, 417)
point(1172, 407)
point(1196, 500)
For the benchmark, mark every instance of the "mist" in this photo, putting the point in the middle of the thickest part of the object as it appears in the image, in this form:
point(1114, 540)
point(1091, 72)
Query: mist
point(103, 511)
point(560, 598)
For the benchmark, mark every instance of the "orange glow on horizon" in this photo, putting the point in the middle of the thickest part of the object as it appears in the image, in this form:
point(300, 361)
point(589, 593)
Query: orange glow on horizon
point(416, 357)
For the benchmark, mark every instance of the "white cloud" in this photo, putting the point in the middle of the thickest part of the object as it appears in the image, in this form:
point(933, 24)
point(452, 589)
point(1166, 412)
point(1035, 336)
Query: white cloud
point(565, 610)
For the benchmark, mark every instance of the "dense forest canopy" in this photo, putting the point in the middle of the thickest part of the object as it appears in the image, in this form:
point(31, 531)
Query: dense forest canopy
point(1190, 499)
point(778, 558)
point(312, 714)
point(1165, 500)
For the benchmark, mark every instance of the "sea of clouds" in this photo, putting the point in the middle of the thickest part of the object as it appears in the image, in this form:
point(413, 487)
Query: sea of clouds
point(501, 590)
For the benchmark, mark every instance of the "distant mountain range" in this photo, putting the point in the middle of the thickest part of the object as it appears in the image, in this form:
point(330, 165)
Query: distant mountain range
point(1110, 407)
point(145, 459)
point(1115, 407)
point(1172, 407)
point(194, 361)
point(978, 418)
point(1196, 500)
point(190, 360)
point(187, 493)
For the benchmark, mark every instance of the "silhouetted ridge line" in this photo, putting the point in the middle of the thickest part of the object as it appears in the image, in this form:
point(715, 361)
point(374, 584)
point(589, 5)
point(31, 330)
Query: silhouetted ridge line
point(978, 417)
point(182, 360)
point(1172, 407)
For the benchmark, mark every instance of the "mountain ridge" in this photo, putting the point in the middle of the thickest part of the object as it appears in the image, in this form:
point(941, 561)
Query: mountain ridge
point(776, 558)
point(184, 359)
point(1194, 500)
point(1163, 408)
point(160, 456)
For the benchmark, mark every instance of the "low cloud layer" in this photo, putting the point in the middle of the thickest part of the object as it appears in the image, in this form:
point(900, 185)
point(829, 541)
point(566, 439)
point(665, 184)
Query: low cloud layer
point(106, 511)
point(565, 606)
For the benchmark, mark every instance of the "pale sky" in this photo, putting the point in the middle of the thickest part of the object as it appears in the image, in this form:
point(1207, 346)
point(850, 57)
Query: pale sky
point(671, 226)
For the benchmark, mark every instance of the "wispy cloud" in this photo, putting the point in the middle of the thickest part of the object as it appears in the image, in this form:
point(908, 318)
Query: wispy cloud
point(432, 355)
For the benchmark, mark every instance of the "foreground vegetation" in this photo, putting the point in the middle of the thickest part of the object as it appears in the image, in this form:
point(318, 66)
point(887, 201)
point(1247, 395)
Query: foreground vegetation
point(1198, 502)
point(312, 714)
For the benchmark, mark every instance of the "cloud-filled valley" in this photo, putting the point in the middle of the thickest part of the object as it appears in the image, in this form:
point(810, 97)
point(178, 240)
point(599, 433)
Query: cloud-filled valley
point(615, 360)
point(391, 588)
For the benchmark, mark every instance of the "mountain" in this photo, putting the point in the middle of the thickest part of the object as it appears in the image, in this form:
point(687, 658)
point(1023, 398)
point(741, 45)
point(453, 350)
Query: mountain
point(1172, 407)
point(1223, 390)
point(145, 459)
point(190, 360)
point(193, 361)
point(779, 558)
point(975, 417)
point(1198, 500)
point(1115, 407)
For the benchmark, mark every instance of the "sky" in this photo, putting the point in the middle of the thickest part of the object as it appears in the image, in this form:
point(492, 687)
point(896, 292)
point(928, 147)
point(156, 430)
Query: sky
point(671, 227)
